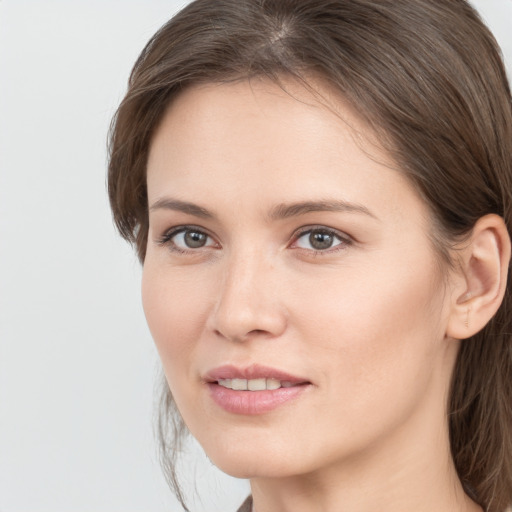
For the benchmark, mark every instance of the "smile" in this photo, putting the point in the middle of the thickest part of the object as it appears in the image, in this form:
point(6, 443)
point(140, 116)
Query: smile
point(254, 384)
point(253, 390)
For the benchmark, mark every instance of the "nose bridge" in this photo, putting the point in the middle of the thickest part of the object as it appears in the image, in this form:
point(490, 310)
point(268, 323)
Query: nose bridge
point(248, 302)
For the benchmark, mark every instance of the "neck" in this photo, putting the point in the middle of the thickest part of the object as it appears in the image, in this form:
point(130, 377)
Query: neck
point(362, 493)
point(403, 484)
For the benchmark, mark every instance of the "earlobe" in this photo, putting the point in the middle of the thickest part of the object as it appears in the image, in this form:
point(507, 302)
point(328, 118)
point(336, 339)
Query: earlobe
point(481, 279)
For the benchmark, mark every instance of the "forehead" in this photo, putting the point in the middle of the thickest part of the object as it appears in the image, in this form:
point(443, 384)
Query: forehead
point(255, 142)
point(261, 105)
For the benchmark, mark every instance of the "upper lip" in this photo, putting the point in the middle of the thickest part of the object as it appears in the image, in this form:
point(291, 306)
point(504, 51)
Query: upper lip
point(254, 371)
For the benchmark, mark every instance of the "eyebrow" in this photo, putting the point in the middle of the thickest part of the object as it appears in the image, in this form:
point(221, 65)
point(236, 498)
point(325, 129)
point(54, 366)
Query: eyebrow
point(278, 212)
point(285, 211)
point(181, 206)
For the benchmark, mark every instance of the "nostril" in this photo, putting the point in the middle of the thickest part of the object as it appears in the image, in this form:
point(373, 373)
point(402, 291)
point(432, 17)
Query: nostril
point(256, 333)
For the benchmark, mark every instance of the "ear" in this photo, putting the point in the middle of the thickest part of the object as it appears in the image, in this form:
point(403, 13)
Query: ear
point(479, 283)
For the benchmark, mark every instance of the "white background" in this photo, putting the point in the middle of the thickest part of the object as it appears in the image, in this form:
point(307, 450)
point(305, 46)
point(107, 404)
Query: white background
point(77, 365)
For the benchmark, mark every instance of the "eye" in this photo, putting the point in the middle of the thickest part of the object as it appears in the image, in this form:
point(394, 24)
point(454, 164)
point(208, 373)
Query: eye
point(184, 239)
point(320, 239)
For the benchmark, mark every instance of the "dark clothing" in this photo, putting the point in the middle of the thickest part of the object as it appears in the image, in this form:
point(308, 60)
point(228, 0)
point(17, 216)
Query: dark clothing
point(246, 506)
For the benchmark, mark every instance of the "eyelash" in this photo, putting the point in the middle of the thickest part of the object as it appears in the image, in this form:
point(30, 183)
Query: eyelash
point(344, 240)
point(167, 238)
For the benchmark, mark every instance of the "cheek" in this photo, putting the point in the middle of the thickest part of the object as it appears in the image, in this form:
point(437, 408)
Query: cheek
point(174, 307)
point(375, 329)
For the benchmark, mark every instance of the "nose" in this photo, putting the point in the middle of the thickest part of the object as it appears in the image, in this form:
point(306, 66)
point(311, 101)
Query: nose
point(249, 303)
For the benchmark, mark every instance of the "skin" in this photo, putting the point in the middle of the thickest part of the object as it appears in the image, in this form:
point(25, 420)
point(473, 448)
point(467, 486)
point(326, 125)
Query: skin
point(365, 321)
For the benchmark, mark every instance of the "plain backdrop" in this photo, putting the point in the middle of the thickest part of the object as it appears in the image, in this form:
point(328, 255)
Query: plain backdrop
point(77, 364)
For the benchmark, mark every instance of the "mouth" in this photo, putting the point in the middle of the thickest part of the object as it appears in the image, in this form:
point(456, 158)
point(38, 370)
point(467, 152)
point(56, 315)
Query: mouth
point(253, 390)
point(253, 378)
point(261, 384)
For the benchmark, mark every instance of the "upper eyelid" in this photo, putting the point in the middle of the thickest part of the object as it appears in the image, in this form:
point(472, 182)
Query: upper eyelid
point(185, 227)
point(307, 229)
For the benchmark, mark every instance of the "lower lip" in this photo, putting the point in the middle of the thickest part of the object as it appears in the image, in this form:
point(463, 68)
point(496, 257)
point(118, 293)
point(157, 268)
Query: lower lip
point(253, 402)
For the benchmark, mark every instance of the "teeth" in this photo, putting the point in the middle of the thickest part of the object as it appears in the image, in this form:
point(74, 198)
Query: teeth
point(257, 384)
point(273, 384)
point(239, 384)
point(253, 384)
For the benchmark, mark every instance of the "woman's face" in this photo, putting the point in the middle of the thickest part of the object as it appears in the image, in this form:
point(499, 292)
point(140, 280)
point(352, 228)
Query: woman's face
point(286, 256)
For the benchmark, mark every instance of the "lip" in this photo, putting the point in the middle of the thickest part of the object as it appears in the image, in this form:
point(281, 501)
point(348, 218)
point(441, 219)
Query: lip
point(254, 371)
point(253, 402)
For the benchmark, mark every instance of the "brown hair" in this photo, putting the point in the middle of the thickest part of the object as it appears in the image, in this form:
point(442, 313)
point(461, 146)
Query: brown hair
point(426, 75)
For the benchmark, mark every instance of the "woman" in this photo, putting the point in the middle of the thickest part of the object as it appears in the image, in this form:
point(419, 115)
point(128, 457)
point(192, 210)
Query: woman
point(320, 194)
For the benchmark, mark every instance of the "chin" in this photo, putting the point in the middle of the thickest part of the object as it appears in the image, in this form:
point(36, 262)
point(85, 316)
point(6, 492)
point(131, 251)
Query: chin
point(257, 467)
point(249, 457)
point(244, 458)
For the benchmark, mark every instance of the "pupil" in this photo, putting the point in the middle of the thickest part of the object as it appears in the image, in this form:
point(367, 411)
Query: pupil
point(193, 239)
point(320, 240)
